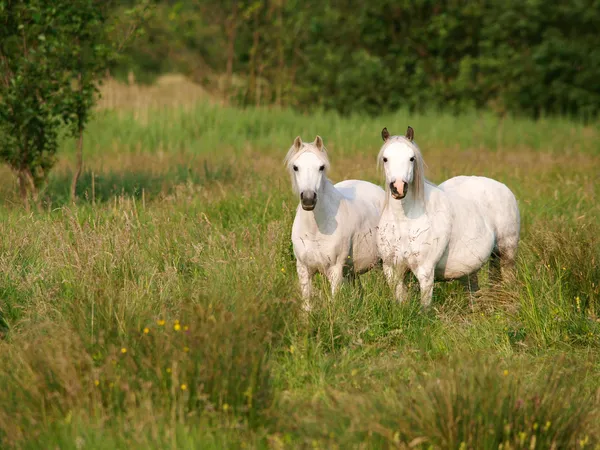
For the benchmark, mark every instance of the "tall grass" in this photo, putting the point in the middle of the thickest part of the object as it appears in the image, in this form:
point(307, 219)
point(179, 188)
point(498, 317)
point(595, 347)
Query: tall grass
point(162, 310)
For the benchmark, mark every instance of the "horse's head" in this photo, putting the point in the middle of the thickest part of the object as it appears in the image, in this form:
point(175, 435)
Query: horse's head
point(308, 165)
point(402, 164)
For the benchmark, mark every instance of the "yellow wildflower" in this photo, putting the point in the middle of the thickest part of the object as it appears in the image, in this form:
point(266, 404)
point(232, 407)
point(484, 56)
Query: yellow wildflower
point(168, 370)
point(123, 350)
point(184, 387)
point(160, 322)
point(505, 372)
point(96, 382)
point(177, 327)
point(185, 328)
point(146, 330)
point(283, 270)
point(225, 407)
point(186, 349)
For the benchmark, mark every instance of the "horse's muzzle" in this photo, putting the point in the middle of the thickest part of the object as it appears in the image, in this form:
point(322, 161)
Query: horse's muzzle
point(398, 189)
point(308, 200)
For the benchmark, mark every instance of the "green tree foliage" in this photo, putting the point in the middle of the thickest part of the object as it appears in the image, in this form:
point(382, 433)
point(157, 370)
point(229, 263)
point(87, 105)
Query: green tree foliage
point(53, 55)
point(533, 57)
point(29, 90)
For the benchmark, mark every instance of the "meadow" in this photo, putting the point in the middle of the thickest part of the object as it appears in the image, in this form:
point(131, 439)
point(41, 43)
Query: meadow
point(162, 310)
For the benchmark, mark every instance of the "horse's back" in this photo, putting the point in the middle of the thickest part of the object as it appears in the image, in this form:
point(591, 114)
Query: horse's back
point(496, 202)
point(362, 192)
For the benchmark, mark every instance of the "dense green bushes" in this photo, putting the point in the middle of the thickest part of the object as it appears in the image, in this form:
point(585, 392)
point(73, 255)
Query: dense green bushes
point(535, 57)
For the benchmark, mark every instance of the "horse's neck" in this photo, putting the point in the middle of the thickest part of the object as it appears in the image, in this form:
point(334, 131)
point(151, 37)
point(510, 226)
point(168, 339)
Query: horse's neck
point(409, 207)
point(326, 209)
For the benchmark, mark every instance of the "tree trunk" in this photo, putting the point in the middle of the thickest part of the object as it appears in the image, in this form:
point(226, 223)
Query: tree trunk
point(231, 35)
point(28, 189)
point(79, 168)
point(281, 62)
point(22, 181)
point(258, 94)
point(252, 82)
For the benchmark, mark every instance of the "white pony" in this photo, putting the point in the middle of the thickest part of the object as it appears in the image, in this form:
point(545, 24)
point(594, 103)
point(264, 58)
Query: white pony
point(335, 226)
point(441, 232)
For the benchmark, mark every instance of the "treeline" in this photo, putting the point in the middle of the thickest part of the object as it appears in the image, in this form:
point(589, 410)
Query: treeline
point(530, 57)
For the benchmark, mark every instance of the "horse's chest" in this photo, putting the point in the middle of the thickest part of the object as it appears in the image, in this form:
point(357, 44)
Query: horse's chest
point(406, 242)
point(317, 252)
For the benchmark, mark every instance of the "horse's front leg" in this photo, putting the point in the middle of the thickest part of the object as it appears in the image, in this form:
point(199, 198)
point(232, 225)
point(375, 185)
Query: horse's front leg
point(335, 275)
point(395, 276)
point(426, 275)
point(305, 277)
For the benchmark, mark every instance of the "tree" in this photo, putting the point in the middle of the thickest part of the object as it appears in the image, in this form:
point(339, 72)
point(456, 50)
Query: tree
point(53, 55)
point(29, 91)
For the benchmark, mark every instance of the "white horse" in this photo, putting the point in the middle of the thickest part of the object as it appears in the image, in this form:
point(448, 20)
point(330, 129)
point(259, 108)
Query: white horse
point(441, 232)
point(335, 226)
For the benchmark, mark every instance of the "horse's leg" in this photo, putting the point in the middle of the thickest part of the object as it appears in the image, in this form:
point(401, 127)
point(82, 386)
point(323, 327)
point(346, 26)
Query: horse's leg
point(355, 280)
point(335, 275)
point(395, 278)
point(470, 282)
point(305, 277)
point(361, 291)
point(494, 268)
point(425, 275)
point(502, 264)
point(508, 262)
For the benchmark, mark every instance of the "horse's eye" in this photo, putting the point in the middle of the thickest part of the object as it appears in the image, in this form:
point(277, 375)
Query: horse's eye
point(322, 168)
point(412, 158)
point(295, 168)
point(384, 159)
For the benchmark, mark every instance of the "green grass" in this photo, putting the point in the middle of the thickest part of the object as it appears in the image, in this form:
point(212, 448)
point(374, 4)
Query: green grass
point(184, 217)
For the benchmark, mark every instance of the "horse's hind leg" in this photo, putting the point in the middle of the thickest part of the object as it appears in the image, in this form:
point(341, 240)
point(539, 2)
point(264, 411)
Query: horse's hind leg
point(470, 282)
point(508, 263)
point(502, 263)
point(354, 278)
point(494, 271)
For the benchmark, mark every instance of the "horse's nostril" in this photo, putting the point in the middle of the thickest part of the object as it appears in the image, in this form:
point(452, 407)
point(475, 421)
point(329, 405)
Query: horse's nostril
point(301, 195)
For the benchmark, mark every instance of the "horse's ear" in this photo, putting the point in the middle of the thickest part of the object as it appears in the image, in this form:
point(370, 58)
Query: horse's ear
point(410, 134)
point(385, 134)
point(297, 143)
point(319, 142)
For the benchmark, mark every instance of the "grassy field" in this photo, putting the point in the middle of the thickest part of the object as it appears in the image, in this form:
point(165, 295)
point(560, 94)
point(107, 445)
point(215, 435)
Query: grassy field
point(162, 311)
